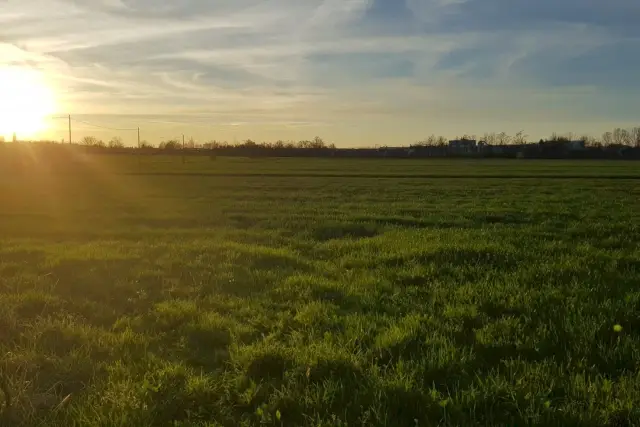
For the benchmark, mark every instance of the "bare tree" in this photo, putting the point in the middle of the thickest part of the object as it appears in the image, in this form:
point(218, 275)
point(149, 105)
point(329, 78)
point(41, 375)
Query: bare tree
point(607, 138)
point(490, 138)
point(91, 141)
point(635, 136)
point(589, 141)
point(318, 143)
point(503, 139)
point(625, 136)
point(617, 136)
point(172, 144)
point(116, 142)
point(520, 138)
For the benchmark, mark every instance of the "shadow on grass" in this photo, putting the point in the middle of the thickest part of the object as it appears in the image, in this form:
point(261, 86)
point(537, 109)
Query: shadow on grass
point(91, 277)
point(334, 231)
point(181, 330)
point(242, 221)
point(328, 369)
point(495, 310)
point(267, 259)
point(268, 366)
point(348, 303)
point(418, 223)
point(31, 305)
point(506, 218)
point(30, 257)
point(207, 345)
point(486, 258)
point(15, 262)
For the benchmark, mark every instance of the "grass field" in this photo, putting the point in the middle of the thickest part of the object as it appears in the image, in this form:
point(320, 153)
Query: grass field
point(148, 292)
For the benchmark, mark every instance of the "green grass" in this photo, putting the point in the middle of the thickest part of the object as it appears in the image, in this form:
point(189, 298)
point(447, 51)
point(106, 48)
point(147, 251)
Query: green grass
point(319, 292)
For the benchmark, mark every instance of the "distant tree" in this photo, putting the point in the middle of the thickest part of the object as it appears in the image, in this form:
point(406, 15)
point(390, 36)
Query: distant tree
point(172, 144)
point(315, 143)
point(589, 140)
point(626, 137)
point(607, 138)
point(617, 136)
point(249, 143)
point(145, 144)
point(116, 142)
point(635, 136)
point(318, 143)
point(560, 138)
point(90, 141)
point(212, 145)
point(425, 142)
point(441, 141)
point(622, 137)
point(311, 144)
point(520, 138)
point(503, 139)
point(489, 138)
point(191, 143)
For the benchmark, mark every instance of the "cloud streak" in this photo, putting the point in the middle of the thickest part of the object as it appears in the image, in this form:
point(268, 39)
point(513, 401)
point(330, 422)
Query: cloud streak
point(412, 66)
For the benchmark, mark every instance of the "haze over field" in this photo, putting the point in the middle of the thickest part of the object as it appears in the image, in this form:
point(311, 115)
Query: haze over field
point(353, 71)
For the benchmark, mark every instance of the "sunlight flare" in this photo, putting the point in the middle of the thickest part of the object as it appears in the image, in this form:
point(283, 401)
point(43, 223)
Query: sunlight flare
point(26, 100)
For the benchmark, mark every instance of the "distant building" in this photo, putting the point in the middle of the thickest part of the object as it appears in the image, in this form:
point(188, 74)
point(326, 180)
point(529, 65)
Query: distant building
point(463, 146)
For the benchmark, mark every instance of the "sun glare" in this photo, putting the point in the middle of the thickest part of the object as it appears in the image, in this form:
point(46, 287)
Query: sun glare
point(25, 103)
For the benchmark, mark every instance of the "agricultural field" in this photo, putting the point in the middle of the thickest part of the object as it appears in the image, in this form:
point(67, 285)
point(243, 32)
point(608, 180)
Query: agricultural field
point(144, 291)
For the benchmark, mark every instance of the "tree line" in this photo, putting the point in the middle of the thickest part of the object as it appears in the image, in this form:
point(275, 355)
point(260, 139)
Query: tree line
point(617, 143)
point(617, 137)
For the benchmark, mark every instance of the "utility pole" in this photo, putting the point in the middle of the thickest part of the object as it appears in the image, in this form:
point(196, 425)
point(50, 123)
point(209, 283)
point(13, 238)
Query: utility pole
point(69, 128)
point(139, 150)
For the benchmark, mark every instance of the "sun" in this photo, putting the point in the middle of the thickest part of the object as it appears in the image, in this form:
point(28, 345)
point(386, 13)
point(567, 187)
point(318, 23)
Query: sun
point(26, 101)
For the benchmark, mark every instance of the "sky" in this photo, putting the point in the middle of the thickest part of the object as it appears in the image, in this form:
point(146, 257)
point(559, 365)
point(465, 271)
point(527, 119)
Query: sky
point(355, 72)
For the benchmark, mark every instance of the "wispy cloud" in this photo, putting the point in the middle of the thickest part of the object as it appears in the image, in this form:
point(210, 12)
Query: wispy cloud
point(367, 69)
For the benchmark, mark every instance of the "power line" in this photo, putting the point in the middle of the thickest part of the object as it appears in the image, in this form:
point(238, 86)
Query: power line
point(103, 127)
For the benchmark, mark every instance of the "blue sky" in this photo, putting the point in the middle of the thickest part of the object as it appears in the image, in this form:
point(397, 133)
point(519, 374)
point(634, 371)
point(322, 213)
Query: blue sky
point(357, 72)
